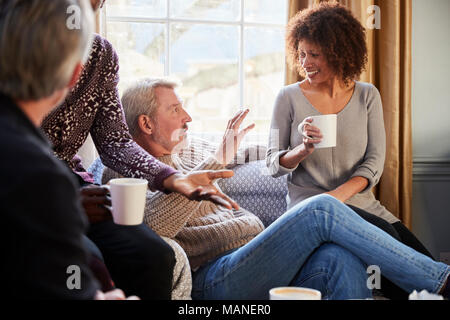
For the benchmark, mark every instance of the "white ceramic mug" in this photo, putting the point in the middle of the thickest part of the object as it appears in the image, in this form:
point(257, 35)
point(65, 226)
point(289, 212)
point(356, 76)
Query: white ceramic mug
point(128, 200)
point(294, 293)
point(327, 124)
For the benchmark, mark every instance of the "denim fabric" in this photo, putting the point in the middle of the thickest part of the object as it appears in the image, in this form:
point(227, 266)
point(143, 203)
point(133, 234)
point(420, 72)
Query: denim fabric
point(277, 254)
point(336, 273)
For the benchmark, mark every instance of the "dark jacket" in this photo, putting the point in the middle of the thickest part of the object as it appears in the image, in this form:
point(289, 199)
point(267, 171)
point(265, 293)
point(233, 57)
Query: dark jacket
point(41, 216)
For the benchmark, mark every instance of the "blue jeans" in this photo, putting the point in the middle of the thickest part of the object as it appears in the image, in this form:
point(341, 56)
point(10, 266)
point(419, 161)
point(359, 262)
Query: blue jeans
point(335, 272)
point(275, 257)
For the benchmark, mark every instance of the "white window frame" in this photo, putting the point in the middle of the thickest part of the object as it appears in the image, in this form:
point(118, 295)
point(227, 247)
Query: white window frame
point(169, 20)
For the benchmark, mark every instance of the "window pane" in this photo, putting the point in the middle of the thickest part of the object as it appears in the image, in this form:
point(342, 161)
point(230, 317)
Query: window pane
point(224, 10)
point(140, 47)
point(265, 11)
point(264, 73)
point(137, 8)
point(205, 59)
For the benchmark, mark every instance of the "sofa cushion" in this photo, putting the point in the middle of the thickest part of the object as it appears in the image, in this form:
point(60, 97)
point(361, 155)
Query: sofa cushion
point(96, 169)
point(255, 190)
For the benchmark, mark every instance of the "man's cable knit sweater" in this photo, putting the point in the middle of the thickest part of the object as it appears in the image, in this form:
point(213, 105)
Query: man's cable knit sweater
point(204, 230)
point(93, 106)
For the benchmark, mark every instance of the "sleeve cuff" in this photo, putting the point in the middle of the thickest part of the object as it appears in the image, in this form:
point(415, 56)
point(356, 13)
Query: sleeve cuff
point(276, 169)
point(163, 175)
point(372, 177)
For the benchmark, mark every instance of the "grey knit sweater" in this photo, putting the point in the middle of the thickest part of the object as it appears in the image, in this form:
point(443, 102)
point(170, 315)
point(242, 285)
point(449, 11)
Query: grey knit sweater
point(204, 229)
point(360, 149)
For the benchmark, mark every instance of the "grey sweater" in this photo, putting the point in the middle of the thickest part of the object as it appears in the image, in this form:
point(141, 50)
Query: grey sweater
point(360, 148)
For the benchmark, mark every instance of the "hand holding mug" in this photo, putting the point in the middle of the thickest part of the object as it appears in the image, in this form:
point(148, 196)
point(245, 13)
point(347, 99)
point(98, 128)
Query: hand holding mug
point(96, 202)
point(319, 131)
point(311, 134)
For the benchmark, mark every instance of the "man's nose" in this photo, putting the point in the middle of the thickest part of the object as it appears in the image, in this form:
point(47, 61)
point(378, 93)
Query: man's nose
point(186, 116)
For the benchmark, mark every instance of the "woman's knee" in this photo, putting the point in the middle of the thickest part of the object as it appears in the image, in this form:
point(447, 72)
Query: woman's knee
point(332, 255)
point(318, 203)
point(336, 261)
point(336, 272)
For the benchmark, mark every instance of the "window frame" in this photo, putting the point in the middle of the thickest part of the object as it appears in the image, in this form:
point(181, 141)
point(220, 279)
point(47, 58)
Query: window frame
point(168, 21)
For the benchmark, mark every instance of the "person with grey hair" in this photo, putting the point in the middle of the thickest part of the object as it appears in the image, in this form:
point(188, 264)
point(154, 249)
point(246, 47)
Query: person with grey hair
point(140, 99)
point(42, 247)
point(139, 261)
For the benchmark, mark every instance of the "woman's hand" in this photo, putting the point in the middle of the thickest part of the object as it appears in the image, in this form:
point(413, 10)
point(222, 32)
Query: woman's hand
point(199, 186)
point(292, 158)
point(311, 135)
point(232, 138)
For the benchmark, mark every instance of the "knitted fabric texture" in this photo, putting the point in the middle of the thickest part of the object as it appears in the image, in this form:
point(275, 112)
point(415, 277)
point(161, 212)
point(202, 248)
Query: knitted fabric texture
point(93, 106)
point(203, 229)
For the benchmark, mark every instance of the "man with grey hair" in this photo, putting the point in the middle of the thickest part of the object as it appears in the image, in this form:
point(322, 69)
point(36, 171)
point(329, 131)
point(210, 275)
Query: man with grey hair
point(41, 59)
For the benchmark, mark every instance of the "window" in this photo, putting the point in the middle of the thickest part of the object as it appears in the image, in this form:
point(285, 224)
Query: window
point(226, 53)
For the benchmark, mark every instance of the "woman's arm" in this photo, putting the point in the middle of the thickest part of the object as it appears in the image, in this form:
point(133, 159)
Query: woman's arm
point(110, 132)
point(368, 173)
point(119, 152)
point(281, 159)
point(279, 136)
point(166, 214)
point(348, 189)
point(292, 158)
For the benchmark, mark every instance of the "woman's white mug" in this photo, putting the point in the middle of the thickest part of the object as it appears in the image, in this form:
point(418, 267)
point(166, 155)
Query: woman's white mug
point(327, 124)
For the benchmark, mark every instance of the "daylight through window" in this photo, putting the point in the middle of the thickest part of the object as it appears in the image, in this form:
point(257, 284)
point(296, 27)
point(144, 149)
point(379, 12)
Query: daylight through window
point(226, 53)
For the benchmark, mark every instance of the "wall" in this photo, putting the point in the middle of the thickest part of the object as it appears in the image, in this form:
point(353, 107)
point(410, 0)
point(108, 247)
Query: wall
point(431, 123)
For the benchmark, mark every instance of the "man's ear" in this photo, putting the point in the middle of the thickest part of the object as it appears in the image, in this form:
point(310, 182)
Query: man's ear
point(75, 75)
point(144, 124)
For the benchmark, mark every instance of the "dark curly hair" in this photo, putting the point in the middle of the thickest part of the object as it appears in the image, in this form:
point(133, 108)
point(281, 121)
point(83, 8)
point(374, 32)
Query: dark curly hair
point(333, 28)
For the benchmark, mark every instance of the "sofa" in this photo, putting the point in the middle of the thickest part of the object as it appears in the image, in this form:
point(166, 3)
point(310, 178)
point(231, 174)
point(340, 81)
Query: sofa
point(252, 188)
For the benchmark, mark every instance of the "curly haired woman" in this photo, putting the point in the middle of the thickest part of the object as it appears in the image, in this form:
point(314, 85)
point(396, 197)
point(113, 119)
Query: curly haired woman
point(326, 45)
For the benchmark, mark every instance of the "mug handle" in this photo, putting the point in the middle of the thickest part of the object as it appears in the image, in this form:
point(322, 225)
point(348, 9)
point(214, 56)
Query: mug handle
point(300, 129)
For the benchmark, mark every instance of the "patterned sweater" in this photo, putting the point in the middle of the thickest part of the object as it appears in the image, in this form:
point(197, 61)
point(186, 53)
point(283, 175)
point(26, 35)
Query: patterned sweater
point(204, 229)
point(93, 106)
